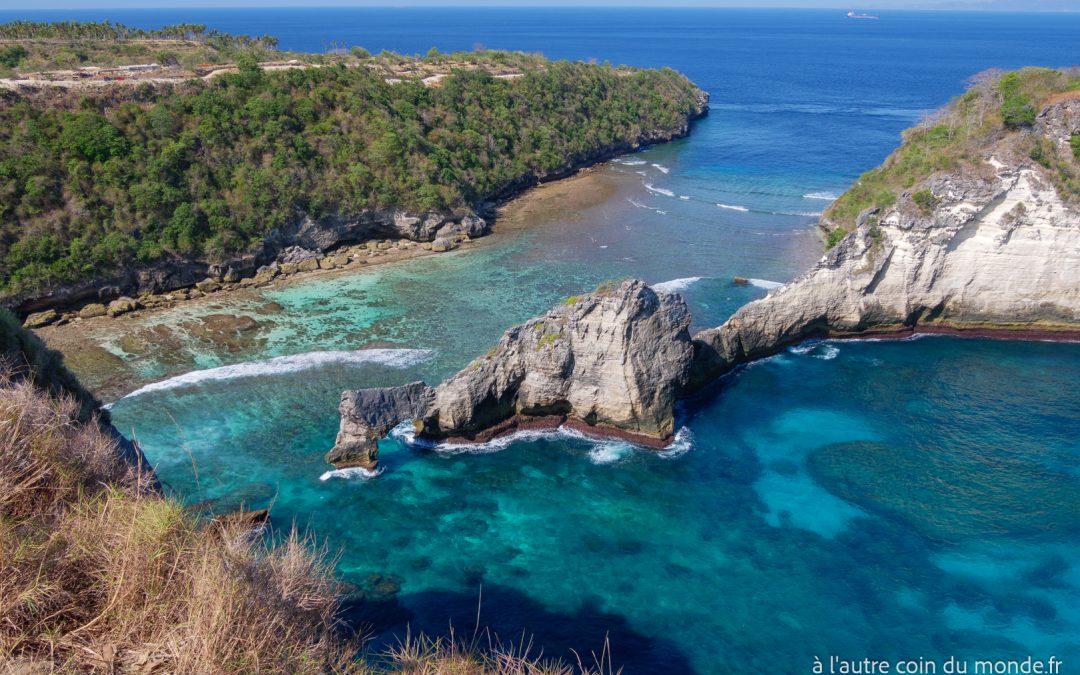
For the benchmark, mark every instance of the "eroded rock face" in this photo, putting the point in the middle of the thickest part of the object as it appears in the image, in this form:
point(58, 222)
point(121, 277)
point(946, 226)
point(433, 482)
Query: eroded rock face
point(367, 415)
point(616, 358)
point(1000, 250)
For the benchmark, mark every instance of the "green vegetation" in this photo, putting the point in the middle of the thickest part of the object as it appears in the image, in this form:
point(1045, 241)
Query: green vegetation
point(32, 45)
point(925, 200)
point(10, 57)
point(835, 237)
point(547, 339)
point(995, 111)
point(1074, 141)
point(1017, 107)
point(93, 182)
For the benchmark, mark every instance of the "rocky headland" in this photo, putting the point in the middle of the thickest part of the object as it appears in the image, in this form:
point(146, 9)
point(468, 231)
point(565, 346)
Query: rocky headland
point(987, 247)
point(313, 208)
point(982, 237)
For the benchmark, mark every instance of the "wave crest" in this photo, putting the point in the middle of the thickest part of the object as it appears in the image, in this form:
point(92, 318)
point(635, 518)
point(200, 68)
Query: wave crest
point(391, 358)
point(351, 473)
point(675, 285)
point(660, 191)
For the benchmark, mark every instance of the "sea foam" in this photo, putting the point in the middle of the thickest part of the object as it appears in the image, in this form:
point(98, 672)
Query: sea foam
point(824, 196)
point(661, 168)
point(351, 473)
point(675, 285)
point(765, 283)
point(630, 162)
point(816, 349)
point(680, 445)
point(733, 207)
point(603, 451)
point(392, 358)
point(660, 191)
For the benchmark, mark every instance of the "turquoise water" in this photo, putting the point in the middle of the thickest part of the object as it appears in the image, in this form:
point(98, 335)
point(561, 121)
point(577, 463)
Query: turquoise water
point(737, 555)
point(862, 500)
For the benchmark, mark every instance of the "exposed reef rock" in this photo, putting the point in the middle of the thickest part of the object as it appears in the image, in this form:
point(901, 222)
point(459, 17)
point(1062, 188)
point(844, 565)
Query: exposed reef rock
point(998, 252)
point(615, 359)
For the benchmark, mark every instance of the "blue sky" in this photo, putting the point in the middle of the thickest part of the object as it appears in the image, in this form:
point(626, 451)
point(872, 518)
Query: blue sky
point(1029, 5)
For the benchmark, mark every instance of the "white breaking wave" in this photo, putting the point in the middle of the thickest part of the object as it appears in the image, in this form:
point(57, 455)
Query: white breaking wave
point(816, 349)
point(733, 207)
point(603, 451)
point(661, 168)
point(675, 285)
point(824, 196)
point(685, 197)
point(392, 358)
point(610, 452)
point(630, 162)
point(352, 472)
point(765, 283)
point(660, 191)
point(680, 445)
point(645, 206)
point(801, 214)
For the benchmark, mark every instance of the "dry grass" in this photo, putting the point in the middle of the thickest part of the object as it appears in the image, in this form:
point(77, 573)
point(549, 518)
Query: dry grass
point(100, 573)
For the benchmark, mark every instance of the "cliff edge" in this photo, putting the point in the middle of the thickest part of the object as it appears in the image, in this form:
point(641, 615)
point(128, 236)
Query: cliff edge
point(973, 225)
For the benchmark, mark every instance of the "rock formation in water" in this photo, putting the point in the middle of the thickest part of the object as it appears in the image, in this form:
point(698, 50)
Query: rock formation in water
point(367, 415)
point(990, 245)
point(615, 359)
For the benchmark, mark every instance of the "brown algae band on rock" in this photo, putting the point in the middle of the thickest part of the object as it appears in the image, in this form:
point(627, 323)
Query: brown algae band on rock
point(613, 361)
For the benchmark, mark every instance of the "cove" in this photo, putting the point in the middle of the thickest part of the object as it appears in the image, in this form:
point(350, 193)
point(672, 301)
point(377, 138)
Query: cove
point(787, 525)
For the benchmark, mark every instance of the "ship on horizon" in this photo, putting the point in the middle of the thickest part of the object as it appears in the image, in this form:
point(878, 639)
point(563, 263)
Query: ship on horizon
point(860, 15)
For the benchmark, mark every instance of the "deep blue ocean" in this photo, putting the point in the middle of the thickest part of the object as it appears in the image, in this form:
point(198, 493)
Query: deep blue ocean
point(886, 500)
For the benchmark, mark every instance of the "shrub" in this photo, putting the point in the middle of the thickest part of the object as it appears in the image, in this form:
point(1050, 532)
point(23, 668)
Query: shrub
point(1017, 108)
point(925, 200)
point(834, 237)
point(10, 57)
point(1074, 141)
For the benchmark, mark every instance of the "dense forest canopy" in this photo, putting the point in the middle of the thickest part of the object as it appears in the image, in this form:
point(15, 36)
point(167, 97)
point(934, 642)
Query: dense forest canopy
point(92, 181)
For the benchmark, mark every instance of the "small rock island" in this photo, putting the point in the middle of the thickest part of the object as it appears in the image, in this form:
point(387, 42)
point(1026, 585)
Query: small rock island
point(613, 361)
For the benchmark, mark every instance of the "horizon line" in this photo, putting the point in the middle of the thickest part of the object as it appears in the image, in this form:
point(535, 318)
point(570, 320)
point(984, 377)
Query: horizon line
point(429, 4)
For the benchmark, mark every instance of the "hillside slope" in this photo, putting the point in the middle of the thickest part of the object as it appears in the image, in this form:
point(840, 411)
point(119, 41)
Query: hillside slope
point(152, 187)
point(972, 225)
